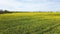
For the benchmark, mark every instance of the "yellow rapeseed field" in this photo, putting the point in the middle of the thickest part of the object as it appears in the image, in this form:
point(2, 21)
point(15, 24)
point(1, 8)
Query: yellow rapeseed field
point(30, 23)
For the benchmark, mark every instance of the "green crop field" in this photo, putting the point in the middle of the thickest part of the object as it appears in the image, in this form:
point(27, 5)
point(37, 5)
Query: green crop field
point(30, 23)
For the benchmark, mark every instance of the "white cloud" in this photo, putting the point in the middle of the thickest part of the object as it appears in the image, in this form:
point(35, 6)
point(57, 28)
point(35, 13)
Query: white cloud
point(29, 5)
point(33, 7)
point(11, 3)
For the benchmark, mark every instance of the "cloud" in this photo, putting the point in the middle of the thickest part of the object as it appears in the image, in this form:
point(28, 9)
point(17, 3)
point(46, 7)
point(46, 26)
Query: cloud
point(9, 4)
point(30, 5)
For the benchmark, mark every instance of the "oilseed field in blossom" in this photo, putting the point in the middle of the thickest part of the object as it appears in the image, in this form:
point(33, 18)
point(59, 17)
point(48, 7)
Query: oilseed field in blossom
point(30, 23)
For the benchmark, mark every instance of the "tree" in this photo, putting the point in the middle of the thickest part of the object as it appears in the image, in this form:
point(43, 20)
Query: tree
point(6, 11)
point(1, 11)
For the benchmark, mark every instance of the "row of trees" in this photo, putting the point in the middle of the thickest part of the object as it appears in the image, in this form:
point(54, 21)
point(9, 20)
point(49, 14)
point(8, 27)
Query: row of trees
point(4, 11)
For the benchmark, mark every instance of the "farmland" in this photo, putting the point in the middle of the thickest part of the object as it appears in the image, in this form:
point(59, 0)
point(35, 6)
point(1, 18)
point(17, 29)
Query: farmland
point(30, 23)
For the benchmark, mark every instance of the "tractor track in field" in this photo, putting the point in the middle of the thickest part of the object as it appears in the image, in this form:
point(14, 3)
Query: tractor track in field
point(49, 28)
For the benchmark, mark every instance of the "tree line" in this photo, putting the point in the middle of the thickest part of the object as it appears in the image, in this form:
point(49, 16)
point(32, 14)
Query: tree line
point(4, 11)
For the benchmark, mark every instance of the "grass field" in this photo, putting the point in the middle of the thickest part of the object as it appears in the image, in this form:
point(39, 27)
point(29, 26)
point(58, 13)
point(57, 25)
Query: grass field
point(30, 23)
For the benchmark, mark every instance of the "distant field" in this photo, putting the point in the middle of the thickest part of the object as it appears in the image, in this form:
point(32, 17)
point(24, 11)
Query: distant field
point(30, 23)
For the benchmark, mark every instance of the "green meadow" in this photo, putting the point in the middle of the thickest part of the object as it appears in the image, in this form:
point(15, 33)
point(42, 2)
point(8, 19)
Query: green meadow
point(30, 23)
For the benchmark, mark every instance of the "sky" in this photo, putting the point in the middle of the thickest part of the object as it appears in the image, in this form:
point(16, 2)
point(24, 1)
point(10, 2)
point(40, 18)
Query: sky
point(30, 5)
